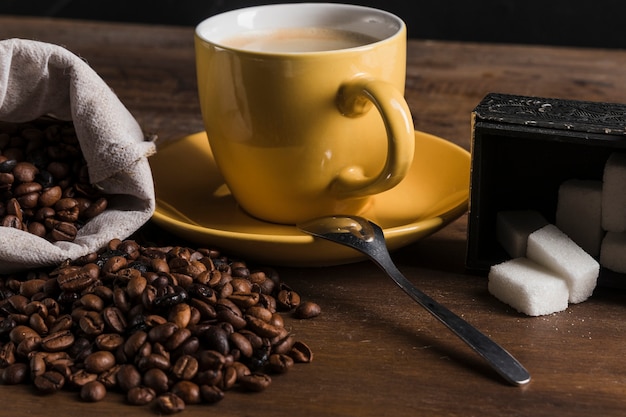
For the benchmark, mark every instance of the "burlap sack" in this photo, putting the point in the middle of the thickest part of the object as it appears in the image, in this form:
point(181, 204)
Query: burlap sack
point(40, 79)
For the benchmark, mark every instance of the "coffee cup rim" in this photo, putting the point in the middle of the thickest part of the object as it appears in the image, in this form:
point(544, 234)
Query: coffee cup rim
point(356, 18)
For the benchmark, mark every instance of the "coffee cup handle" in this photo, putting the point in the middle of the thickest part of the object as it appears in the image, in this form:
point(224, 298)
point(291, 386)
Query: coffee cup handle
point(356, 98)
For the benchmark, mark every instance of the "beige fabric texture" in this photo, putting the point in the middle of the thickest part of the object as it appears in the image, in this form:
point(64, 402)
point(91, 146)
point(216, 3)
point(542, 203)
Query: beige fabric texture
point(41, 79)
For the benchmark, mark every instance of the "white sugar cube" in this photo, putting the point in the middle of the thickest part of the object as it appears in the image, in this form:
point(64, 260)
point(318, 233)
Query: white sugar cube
point(612, 252)
point(528, 287)
point(513, 228)
point(553, 249)
point(579, 213)
point(614, 194)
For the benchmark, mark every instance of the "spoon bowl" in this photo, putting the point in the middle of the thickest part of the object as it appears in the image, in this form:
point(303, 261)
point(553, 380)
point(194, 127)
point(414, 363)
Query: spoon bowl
point(368, 238)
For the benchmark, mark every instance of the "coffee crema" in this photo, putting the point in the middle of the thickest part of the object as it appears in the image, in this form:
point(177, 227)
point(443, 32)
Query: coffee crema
point(299, 40)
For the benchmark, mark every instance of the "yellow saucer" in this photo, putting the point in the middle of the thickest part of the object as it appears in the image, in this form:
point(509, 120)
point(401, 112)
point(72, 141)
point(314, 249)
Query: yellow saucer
point(194, 203)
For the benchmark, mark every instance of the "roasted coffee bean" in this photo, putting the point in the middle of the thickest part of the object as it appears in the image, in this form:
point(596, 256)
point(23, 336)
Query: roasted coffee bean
point(284, 344)
point(229, 312)
point(21, 332)
point(105, 293)
point(50, 196)
point(186, 367)
point(62, 366)
point(244, 299)
point(8, 165)
point(280, 363)
point(18, 301)
point(37, 364)
point(153, 360)
point(7, 354)
point(162, 332)
point(14, 374)
point(240, 368)
point(109, 341)
point(95, 208)
point(177, 338)
point(74, 279)
point(58, 170)
point(114, 264)
point(156, 379)
point(26, 188)
point(211, 359)
point(121, 299)
point(67, 209)
point(268, 302)
point(211, 394)
point(61, 323)
point(277, 320)
point(93, 391)
point(262, 328)
point(62, 231)
point(99, 361)
point(11, 220)
point(259, 312)
point(31, 287)
point(134, 343)
point(148, 296)
point(128, 377)
point(255, 381)
point(114, 319)
point(153, 320)
point(58, 341)
point(140, 395)
point(91, 301)
point(307, 310)
point(216, 338)
point(49, 382)
point(188, 347)
point(241, 343)
point(179, 295)
point(188, 391)
point(301, 353)
point(49, 303)
point(170, 403)
point(42, 214)
point(206, 310)
point(287, 299)
point(37, 229)
point(81, 348)
point(28, 345)
point(91, 323)
point(229, 378)
point(180, 314)
point(109, 377)
point(209, 377)
point(239, 269)
point(135, 287)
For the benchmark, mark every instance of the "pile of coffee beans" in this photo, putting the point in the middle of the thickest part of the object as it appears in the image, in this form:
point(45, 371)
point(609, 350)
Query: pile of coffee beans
point(44, 183)
point(164, 326)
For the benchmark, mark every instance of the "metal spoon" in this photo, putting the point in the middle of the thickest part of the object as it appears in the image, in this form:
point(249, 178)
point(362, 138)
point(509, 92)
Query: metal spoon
point(367, 237)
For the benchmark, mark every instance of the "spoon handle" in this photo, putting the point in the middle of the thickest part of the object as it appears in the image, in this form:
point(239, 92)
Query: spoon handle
point(499, 359)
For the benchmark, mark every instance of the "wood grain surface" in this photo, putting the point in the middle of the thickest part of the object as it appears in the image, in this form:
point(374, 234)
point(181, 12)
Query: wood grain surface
point(376, 352)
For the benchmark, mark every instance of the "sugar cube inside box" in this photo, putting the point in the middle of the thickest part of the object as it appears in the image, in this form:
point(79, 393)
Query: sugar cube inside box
point(579, 213)
point(614, 195)
point(523, 150)
point(513, 228)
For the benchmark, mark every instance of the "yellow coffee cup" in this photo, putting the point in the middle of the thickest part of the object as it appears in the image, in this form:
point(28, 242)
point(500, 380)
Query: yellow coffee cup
point(304, 107)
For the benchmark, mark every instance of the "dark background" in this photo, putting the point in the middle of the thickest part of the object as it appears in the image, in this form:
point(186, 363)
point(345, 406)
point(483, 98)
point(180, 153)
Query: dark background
point(599, 23)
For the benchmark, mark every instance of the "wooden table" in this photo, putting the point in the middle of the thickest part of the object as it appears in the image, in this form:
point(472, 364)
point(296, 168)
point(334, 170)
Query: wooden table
point(376, 352)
